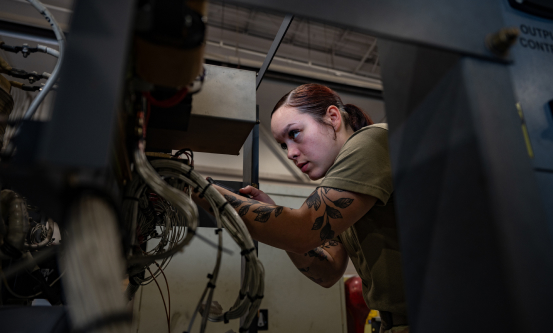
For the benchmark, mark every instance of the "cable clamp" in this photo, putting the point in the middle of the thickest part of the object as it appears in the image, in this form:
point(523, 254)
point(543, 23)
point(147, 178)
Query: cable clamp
point(246, 252)
point(189, 173)
point(222, 207)
point(205, 189)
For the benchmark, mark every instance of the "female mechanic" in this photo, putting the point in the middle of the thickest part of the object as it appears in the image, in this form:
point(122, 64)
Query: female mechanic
point(350, 214)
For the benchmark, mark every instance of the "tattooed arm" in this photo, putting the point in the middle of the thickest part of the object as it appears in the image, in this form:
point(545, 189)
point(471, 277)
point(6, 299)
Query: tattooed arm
point(324, 265)
point(326, 212)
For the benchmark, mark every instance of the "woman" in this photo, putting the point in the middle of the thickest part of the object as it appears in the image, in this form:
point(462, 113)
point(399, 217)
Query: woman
point(350, 214)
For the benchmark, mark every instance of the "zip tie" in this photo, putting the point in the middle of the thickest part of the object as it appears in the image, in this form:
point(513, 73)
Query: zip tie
point(210, 285)
point(242, 296)
point(131, 198)
point(217, 231)
point(190, 171)
point(209, 276)
point(197, 189)
point(205, 189)
point(248, 251)
point(222, 207)
point(225, 319)
point(254, 298)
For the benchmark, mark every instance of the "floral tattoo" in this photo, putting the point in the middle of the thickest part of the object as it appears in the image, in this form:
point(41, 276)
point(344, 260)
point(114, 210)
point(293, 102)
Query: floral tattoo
point(319, 197)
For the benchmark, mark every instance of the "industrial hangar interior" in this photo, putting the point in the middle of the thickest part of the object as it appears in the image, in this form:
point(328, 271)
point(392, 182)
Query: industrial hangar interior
point(276, 165)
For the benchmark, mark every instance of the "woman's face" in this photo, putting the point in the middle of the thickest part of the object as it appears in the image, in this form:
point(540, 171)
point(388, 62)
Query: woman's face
point(310, 144)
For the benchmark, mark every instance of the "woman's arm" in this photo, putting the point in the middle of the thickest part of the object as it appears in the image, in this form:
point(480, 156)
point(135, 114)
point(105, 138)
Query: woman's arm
point(326, 212)
point(324, 265)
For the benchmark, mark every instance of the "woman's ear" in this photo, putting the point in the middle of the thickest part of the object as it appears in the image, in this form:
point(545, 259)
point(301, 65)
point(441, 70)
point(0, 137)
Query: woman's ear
point(334, 115)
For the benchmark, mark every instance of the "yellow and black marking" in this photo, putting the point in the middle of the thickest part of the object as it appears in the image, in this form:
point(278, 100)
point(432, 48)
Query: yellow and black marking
point(525, 131)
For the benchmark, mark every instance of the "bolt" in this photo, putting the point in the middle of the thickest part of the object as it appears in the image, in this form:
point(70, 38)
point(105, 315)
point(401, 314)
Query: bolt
point(500, 42)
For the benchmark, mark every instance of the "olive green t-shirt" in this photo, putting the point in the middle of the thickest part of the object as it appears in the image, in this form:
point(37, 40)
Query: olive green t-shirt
point(363, 166)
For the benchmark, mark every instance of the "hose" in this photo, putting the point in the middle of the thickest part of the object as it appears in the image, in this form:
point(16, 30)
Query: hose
point(55, 73)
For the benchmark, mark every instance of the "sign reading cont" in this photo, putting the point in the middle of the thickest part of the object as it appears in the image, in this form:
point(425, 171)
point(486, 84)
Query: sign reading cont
point(536, 38)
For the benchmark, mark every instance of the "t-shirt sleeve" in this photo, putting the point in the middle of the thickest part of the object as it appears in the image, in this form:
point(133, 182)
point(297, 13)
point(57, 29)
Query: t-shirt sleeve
point(363, 165)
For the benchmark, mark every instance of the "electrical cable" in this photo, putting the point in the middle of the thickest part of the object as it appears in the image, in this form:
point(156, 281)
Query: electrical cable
point(26, 297)
point(169, 102)
point(55, 73)
point(182, 203)
point(163, 299)
point(252, 285)
point(157, 177)
point(168, 292)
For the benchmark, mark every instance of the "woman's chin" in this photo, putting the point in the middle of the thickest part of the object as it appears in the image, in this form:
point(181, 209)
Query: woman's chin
point(314, 175)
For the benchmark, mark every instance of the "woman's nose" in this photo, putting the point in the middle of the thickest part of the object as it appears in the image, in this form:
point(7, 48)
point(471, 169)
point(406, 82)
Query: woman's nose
point(293, 153)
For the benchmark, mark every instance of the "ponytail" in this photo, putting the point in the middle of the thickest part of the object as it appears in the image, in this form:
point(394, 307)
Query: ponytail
point(356, 118)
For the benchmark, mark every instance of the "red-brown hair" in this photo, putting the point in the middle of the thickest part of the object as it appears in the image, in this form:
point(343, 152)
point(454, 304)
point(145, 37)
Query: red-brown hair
point(315, 99)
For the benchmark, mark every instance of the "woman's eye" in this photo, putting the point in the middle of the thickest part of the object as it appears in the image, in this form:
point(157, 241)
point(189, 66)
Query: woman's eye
point(283, 146)
point(293, 134)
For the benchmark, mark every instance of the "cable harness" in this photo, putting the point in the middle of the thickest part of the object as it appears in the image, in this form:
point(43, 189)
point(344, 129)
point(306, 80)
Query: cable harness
point(168, 179)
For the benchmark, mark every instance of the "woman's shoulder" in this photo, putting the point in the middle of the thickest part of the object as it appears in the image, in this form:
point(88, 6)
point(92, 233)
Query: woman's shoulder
point(371, 132)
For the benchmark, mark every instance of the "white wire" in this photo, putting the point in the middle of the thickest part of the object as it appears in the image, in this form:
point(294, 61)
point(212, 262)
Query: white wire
point(48, 50)
point(253, 284)
point(55, 73)
point(178, 199)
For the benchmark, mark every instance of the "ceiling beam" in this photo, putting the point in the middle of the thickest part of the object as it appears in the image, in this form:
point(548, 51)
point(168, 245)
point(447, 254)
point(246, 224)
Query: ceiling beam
point(369, 51)
point(375, 64)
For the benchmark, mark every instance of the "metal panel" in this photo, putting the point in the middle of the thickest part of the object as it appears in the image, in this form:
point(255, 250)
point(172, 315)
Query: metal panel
point(472, 225)
point(532, 82)
point(223, 114)
point(227, 93)
point(460, 26)
point(81, 132)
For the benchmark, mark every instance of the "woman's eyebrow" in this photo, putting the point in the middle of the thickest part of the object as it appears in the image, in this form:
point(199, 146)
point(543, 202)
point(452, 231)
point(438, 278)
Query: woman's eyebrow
point(285, 130)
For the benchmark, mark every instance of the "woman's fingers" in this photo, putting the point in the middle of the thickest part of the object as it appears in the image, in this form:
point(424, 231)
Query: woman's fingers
point(257, 194)
point(250, 190)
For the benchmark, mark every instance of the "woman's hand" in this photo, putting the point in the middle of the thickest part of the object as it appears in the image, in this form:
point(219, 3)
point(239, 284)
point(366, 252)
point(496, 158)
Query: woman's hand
point(257, 194)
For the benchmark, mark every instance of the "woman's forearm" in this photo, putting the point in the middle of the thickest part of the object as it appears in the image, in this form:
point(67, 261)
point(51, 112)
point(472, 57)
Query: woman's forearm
point(324, 265)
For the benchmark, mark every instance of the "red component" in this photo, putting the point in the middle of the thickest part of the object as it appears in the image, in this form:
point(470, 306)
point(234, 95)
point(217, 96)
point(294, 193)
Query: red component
point(357, 309)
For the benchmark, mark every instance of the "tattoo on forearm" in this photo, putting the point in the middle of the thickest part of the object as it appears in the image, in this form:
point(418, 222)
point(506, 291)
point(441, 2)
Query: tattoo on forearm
point(305, 270)
point(318, 253)
point(316, 199)
point(263, 211)
point(329, 244)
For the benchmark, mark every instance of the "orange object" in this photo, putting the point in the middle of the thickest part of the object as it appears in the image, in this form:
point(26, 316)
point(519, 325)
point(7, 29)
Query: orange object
point(357, 309)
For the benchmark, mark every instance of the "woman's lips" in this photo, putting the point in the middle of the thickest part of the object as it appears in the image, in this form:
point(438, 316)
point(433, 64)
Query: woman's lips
point(303, 166)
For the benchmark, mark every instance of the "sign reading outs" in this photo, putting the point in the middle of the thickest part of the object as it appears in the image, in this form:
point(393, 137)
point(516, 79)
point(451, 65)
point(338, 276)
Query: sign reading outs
point(536, 38)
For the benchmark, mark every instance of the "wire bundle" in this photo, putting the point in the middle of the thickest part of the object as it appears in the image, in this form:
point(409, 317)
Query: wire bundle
point(251, 291)
point(167, 179)
point(145, 213)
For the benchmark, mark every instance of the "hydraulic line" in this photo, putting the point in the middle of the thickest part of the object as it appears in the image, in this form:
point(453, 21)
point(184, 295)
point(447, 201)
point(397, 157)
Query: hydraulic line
point(55, 73)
